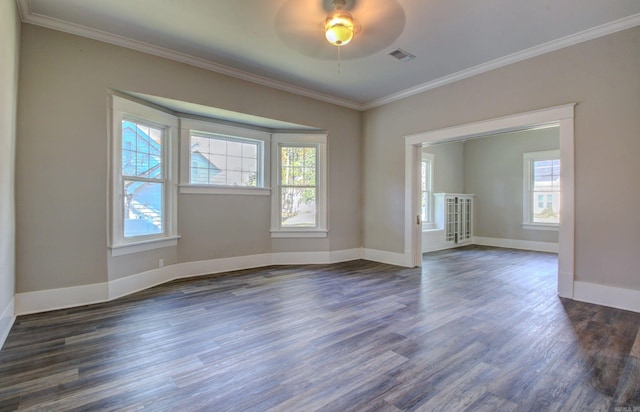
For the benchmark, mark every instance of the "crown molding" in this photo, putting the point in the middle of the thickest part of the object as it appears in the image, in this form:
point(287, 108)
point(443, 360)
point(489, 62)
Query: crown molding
point(589, 34)
point(24, 7)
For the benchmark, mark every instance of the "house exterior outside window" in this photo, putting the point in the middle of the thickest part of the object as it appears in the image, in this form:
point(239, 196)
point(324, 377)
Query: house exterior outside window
point(223, 159)
point(143, 178)
point(299, 196)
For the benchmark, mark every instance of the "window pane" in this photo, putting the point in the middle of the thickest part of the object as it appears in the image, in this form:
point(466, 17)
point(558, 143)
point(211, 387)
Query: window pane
point(249, 151)
point(234, 178)
point(546, 191)
point(218, 146)
point(141, 150)
point(298, 207)
point(249, 179)
point(234, 148)
point(143, 208)
point(229, 162)
point(298, 166)
point(199, 175)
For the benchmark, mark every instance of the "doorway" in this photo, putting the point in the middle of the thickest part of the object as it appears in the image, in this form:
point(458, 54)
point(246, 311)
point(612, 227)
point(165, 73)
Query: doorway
point(560, 115)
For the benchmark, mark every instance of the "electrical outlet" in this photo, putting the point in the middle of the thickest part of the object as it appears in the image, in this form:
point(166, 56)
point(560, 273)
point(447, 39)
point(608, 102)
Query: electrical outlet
point(160, 263)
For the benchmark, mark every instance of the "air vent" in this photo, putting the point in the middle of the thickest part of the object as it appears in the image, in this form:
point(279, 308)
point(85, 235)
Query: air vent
point(402, 55)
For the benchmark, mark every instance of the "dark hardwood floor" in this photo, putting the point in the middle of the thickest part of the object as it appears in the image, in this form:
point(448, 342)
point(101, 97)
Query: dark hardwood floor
point(478, 329)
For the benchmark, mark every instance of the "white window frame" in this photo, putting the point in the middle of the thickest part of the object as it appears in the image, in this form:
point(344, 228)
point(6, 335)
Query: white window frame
point(126, 109)
point(187, 126)
point(320, 142)
point(527, 173)
point(427, 221)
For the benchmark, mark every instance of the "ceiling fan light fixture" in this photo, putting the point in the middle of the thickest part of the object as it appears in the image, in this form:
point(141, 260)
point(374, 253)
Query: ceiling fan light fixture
point(339, 26)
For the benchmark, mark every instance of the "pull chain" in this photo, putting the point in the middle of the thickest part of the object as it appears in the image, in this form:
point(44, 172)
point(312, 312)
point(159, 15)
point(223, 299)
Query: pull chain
point(339, 47)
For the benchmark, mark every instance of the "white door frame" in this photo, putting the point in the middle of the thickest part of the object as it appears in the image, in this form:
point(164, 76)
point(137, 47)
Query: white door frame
point(561, 115)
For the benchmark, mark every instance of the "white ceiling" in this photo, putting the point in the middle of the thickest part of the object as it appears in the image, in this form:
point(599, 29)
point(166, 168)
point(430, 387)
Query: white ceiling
point(280, 43)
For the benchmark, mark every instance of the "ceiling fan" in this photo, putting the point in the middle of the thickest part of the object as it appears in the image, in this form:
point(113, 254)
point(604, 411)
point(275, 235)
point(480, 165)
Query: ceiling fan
point(359, 27)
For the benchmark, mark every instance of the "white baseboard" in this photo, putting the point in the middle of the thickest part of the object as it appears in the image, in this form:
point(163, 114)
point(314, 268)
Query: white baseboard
point(6, 321)
point(516, 244)
point(62, 298)
point(626, 299)
point(391, 258)
point(52, 299)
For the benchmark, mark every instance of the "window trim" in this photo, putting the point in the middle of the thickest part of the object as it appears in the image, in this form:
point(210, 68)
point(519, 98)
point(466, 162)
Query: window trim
point(299, 139)
point(187, 126)
point(428, 221)
point(527, 163)
point(121, 109)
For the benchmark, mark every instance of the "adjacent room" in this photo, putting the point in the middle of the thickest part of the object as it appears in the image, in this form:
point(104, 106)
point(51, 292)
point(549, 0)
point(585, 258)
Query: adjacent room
point(319, 205)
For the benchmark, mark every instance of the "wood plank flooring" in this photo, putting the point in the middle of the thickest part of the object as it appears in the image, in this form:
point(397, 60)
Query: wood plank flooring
point(477, 329)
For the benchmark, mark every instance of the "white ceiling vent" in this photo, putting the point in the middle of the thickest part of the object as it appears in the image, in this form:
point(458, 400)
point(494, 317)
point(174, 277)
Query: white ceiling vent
point(402, 55)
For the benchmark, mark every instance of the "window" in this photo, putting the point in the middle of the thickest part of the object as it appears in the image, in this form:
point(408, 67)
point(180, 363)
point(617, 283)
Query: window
point(299, 199)
point(427, 190)
point(218, 158)
point(143, 211)
point(541, 189)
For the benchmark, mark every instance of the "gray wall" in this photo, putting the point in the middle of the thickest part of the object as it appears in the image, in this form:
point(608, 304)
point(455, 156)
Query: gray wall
point(601, 76)
point(9, 53)
point(491, 168)
point(61, 164)
point(493, 172)
point(448, 167)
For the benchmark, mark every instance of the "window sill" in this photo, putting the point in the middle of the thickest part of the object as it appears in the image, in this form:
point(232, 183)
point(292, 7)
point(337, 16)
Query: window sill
point(218, 190)
point(298, 233)
point(144, 245)
point(541, 226)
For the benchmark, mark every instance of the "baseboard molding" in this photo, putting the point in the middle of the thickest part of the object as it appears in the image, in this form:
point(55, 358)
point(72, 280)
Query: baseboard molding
point(516, 244)
point(391, 258)
point(52, 299)
point(626, 299)
point(6, 321)
point(62, 298)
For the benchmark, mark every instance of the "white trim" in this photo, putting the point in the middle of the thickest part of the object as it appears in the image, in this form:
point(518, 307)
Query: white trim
point(6, 321)
point(215, 130)
point(566, 232)
point(504, 124)
point(541, 226)
point(528, 188)
point(28, 16)
point(429, 158)
point(221, 190)
point(319, 141)
point(121, 108)
point(53, 299)
point(390, 258)
point(516, 244)
point(141, 246)
point(67, 27)
point(302, 233)
point(562, 115)
point(626, 299)
point(573, 39)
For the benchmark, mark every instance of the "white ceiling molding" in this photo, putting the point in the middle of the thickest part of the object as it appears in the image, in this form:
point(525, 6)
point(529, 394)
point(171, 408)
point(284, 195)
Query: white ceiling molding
point(28, 16)
point(590, 34)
